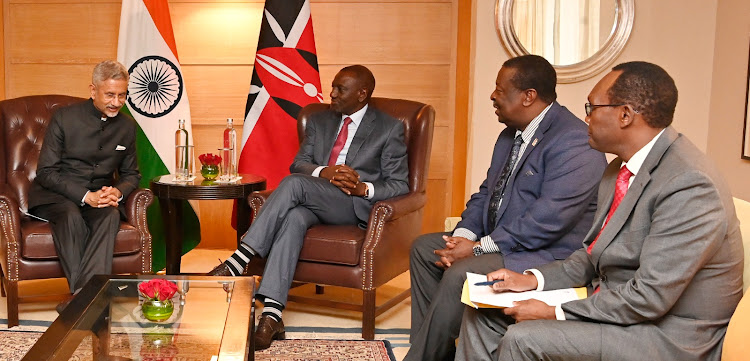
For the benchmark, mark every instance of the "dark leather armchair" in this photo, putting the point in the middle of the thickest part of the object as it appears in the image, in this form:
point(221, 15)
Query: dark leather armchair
point(365, 259)
point(26, 248)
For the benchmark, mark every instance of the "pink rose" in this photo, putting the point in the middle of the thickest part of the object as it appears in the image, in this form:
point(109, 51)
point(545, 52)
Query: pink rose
point(157, 289)
point(147, 289)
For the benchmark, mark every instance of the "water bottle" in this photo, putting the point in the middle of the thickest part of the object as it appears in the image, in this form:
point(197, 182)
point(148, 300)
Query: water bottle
point(229, 152)
point(182, 152)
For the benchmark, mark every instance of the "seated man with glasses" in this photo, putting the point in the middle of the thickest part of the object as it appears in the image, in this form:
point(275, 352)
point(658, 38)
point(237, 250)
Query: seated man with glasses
point(663, 260)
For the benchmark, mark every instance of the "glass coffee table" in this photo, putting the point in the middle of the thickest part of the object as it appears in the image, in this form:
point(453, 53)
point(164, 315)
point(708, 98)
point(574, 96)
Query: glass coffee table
point(212, 320)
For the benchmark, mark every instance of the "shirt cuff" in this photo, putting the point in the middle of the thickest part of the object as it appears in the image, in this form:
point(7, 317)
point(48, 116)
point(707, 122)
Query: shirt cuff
point(465, 233)
point(488, 245)
point(559, 313)
point(371, 189)
point(316, 172)
point(539, 278)
point(83, 200)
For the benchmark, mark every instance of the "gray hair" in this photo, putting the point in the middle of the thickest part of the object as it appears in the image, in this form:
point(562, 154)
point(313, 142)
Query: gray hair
point(109, 69)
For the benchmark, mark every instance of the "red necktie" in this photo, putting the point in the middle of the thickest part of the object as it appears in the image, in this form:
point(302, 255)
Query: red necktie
point(338, 145)
point(621, 187)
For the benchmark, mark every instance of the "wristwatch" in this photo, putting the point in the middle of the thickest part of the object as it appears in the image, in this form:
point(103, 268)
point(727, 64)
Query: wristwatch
point(478, 249)
point(367, 191)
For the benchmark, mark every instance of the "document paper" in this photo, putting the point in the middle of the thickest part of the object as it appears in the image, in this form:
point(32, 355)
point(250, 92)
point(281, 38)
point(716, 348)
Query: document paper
point(485, 297)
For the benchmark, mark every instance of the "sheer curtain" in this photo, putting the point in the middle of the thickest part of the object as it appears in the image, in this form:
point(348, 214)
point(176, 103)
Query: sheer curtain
point(562, 31)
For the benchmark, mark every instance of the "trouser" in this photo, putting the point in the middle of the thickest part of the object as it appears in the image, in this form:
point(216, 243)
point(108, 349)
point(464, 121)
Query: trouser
point(436, 307)
point(278, 232)
point(84, 238)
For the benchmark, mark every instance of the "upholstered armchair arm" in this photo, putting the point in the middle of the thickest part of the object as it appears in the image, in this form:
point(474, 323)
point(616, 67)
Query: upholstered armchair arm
point(394, 224)
point(397, 207)
point(256, 201)
point(136, 205)
point(10, 231)
point(135, 210)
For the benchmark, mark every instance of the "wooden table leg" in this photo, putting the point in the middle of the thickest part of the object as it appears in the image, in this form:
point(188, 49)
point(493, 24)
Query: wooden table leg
point(171, 213)
point(243, 219)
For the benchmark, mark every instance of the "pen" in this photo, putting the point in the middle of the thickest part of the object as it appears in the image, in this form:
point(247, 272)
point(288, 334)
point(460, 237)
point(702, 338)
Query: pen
point(487, 283)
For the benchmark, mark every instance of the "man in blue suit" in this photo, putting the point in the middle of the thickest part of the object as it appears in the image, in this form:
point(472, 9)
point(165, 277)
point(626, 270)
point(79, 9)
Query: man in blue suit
point(534, 207)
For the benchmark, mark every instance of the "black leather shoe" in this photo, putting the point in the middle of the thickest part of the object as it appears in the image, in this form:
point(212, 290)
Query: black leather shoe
point(220, 270)
point(267, 331)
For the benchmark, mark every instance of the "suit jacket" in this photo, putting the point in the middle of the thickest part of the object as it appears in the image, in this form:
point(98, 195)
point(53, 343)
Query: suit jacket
point(669, 262)
point(377, 152)
point(82, 153)
point(550, 198)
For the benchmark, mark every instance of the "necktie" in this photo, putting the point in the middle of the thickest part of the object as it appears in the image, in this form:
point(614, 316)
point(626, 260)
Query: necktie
point(338, 145)
point(621, 187)
point(497, 193)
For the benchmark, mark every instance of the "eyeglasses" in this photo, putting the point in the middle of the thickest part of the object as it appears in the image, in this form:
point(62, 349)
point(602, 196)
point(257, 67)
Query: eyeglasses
point(590, 107)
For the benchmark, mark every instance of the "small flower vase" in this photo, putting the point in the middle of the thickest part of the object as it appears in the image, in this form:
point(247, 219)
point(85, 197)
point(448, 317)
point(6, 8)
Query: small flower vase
point(210, 171)
point(157, 311)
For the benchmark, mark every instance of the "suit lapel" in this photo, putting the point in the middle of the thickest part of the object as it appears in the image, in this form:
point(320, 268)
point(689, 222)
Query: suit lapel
point(363, 131)
point(622, 214)
point(530, 148)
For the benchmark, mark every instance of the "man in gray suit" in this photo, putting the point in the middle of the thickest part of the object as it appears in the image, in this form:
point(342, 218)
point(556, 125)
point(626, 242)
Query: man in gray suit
point(664, 257)
point(352, 156)
point(87, 166)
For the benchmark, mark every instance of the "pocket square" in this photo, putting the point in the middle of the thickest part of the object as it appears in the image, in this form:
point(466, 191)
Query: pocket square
point(119, 147)
point(529, 173)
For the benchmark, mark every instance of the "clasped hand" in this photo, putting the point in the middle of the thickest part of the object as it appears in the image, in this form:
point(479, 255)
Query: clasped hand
point(455, 249)
point(345, 178)
point(105, 197)
point(516, 282)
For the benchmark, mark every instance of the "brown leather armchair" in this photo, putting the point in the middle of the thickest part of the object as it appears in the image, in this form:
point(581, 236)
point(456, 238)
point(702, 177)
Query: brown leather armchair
point(365, 259)
point(26, 248)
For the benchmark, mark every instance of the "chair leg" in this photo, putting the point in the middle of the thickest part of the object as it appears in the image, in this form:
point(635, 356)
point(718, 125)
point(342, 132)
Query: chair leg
point(12, 294)
point(368, 314)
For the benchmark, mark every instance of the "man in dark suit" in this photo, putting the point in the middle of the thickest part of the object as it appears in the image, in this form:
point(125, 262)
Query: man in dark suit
point(664, 257)
point(536, 203)
point(352, 156)
point(87, 166)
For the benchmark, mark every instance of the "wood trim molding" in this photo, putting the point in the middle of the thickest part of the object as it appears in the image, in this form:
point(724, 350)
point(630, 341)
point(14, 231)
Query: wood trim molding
point(3, 17)
point(462, 95)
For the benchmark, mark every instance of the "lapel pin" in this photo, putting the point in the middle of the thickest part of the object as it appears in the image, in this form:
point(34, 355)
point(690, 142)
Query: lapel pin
point(533, 144)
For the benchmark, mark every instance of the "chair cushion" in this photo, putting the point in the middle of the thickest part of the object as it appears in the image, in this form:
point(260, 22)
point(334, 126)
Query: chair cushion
point(37, 244)
point(333, 244)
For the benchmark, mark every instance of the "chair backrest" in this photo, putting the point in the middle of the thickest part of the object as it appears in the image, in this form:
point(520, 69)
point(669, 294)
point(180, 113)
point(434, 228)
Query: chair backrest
point(23, 124)
point(743, 214)
point(735, 346)
point(418, 122)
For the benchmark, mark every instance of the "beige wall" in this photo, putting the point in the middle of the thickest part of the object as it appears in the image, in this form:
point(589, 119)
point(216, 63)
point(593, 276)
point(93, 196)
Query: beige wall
point(675, 34)
point(728, 94)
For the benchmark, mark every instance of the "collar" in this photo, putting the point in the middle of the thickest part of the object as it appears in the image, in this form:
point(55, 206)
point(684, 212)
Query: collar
point(636, 161)
point(528, 133)
point(96, 112)
point(356, 116)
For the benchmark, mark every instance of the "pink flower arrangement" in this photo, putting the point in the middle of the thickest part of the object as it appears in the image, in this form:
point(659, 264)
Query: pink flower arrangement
point(209, 159)
point(157, 289)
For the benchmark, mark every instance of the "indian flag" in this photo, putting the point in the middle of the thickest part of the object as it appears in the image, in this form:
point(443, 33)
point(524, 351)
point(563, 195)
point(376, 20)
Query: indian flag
point(157, 100)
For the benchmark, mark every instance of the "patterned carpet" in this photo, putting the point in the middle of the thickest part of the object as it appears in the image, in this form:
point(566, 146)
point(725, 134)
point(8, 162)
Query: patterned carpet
point(13, 346)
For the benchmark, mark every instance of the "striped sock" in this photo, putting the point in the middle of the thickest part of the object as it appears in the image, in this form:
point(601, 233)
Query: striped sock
point(272, 308)
point(240, 259)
